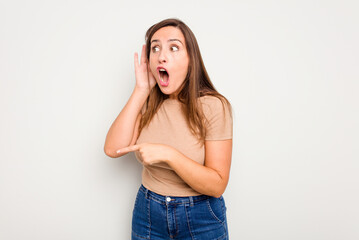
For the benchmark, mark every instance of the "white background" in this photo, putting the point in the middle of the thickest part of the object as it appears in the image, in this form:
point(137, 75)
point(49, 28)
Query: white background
point(289, 68)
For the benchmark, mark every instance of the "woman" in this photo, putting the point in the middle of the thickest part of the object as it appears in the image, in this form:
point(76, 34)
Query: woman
point(180, 129)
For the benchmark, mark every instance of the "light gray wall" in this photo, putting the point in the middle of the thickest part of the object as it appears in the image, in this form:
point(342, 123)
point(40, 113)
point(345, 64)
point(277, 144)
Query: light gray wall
point(289, 68)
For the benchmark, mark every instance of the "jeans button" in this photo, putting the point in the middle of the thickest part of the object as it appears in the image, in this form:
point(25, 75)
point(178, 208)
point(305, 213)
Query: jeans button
point(168, 199)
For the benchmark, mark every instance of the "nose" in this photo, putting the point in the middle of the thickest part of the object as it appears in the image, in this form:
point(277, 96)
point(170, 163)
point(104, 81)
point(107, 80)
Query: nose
point(163, 56)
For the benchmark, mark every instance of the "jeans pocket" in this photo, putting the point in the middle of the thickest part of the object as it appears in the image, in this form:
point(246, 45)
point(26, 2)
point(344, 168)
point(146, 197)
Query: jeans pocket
point(207, 220)
point(217, 209)
point(141, 217)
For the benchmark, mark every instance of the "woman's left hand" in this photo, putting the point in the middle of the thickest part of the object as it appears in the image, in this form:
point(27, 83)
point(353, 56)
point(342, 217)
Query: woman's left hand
point(151, 153)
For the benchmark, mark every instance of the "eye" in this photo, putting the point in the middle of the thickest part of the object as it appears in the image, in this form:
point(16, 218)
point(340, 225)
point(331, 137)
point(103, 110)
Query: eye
point(155, 48)
point(174, 48)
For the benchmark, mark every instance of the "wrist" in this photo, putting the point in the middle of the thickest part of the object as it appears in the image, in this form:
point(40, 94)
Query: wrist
point(172, 155)
point(144, 93)
point(142, 90)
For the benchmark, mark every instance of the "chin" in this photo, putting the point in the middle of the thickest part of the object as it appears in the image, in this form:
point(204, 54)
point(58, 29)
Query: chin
point(166, 92)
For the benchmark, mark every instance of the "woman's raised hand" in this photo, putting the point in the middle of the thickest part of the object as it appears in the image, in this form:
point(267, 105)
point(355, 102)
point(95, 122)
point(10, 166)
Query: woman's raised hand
point(144, 77)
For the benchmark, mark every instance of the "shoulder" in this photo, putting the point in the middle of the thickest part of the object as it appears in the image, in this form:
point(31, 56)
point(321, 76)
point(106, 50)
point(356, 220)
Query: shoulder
point(214, 105)
point(218, 116)
point(209, 99)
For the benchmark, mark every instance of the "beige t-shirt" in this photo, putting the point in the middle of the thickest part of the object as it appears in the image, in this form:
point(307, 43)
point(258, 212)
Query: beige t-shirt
point(169, 127)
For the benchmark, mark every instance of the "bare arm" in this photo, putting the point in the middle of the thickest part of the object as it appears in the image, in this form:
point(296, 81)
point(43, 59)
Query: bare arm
point(212, 178)
point(124, 130)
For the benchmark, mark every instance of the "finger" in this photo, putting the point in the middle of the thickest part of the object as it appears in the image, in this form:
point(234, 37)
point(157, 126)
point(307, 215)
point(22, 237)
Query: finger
point(128, 149)
point(136, 60)
point(149, 69)
point(143, 55)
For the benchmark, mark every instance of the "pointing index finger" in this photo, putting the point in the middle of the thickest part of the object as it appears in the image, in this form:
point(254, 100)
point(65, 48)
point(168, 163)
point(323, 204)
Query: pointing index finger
point(128, 149)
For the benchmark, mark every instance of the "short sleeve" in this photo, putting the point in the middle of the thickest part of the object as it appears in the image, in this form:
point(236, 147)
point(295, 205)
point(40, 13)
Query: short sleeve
point(219, 124)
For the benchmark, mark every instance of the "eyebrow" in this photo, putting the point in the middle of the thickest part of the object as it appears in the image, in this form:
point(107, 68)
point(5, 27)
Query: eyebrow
point(170, 40)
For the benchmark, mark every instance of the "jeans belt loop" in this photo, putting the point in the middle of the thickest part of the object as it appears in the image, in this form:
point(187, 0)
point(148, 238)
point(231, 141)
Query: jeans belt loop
point(146, 193)
point(191, 201)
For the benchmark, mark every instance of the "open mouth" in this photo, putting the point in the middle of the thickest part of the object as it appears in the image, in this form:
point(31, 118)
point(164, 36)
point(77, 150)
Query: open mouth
point(164, 76)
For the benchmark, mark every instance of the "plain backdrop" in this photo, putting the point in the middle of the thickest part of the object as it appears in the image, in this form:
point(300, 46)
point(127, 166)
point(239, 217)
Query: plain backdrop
point(289, 68)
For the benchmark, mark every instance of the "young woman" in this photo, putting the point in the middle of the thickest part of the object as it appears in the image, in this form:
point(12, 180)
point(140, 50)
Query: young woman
point(180, 129)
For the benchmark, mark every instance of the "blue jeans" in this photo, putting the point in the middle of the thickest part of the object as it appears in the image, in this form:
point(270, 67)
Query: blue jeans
point(160, 217)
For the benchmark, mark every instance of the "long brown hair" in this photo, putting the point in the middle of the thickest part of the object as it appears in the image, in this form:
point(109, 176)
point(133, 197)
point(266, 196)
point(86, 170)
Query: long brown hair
point(196, 84)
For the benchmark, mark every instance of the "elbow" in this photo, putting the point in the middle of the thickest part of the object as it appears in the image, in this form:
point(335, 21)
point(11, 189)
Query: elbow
point(219, 189)
point(217, 194)
point(110, 152)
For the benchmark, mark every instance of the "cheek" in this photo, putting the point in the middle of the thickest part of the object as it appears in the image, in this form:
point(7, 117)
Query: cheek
point(184, 63)
point(184, 68)
point(153, 67)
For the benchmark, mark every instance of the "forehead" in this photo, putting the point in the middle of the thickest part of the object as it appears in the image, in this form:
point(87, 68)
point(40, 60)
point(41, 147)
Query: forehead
point(166, 33)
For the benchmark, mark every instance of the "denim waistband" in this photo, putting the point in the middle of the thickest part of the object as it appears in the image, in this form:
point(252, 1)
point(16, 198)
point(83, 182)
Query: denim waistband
point(172, 199)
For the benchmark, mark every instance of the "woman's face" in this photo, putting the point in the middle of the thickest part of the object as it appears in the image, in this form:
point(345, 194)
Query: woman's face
point(169, 59)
